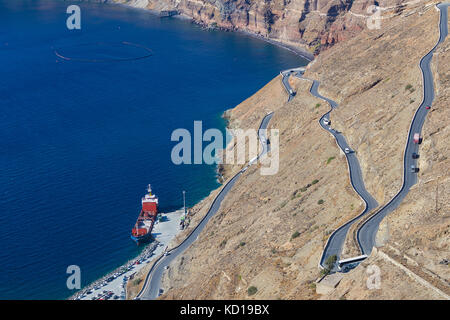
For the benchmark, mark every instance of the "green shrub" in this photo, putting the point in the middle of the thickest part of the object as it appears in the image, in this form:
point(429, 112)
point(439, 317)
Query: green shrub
point(252, 290)
point(320, 201)
point(242, 243)
point(330, 159)
point(295, 235)
point(329, 264)
point(136, 282)
point(314, 181)
point(408, 86)
point(324, 272)
point(331, 260)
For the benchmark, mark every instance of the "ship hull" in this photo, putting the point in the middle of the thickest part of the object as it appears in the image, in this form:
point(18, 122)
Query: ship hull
point(142, 239)
point(142, 229)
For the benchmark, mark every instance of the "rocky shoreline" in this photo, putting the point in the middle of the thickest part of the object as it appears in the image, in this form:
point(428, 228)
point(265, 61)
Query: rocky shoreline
point(221, 171)
point(143, 257)
point(303, 53)
point(298, 51)
point(113, 284)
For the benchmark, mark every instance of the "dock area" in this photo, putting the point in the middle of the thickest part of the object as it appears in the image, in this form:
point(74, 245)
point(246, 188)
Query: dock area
point(112, 286)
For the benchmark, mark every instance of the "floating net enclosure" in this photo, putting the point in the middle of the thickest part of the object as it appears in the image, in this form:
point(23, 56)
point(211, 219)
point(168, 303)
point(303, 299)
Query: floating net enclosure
point(103, 52)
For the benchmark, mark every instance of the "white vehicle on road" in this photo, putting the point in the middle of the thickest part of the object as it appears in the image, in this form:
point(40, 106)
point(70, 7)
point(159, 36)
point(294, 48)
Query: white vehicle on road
point(326, 121)
point(347, 150)
point(252, 161)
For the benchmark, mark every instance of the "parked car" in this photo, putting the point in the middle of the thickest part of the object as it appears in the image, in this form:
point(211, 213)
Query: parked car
point(428, 107)
point(415, 155)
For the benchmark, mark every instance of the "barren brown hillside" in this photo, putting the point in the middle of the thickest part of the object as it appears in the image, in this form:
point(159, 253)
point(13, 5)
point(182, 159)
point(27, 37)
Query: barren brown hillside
point(252, 240)
point(417, 235)
point(270, 230)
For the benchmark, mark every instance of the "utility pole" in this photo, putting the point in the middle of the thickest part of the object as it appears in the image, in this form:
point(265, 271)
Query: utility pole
point(437, 192)
point(184, 202)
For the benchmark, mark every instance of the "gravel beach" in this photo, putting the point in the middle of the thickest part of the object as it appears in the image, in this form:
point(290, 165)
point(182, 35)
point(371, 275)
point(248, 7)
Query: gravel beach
point(112, 286)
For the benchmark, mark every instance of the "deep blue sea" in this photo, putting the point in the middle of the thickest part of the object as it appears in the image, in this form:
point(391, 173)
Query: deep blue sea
point(79, 141)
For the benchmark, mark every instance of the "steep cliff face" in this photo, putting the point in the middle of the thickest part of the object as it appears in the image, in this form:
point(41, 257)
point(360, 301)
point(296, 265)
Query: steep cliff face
point(306, 24)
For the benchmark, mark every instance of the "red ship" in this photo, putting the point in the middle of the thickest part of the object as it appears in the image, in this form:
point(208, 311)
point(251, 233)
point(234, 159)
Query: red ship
point(142, 230)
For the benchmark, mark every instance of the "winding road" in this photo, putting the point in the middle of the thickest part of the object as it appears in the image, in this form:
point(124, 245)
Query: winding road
point(151, 288)
point(285, 80)
point(336, 241)
point(366, 233)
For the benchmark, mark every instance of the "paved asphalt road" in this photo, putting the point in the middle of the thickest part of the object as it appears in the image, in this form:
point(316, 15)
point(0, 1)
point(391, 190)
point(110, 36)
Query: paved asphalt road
point(153, 280)
point(336, 241)
point(285, 80)
point(367, 232)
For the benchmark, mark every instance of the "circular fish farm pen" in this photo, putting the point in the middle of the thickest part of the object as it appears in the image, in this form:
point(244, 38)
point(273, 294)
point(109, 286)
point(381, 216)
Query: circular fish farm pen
point(103, 52)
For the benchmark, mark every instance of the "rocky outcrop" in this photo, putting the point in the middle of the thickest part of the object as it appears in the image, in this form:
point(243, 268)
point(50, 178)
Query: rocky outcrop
point(305, 24)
